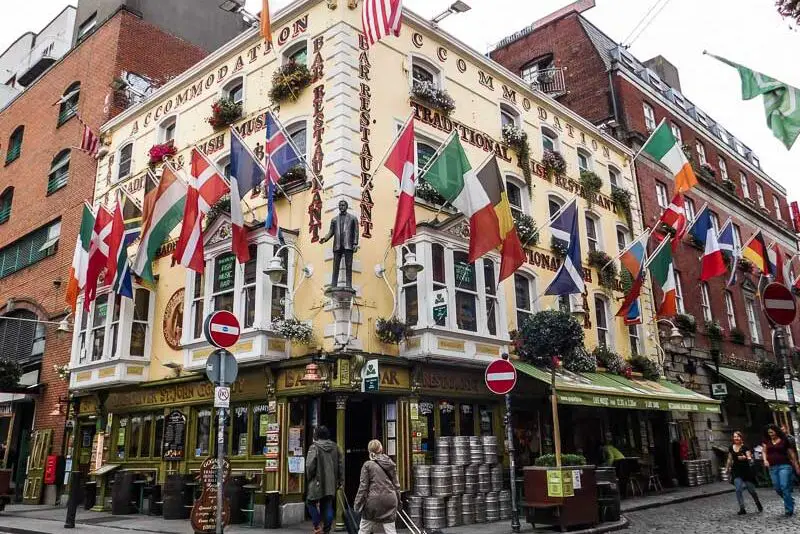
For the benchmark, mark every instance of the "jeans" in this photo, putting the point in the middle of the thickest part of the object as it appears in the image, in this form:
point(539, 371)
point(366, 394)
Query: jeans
point(740, 487)
point(368, 527)
point(782, 479)
point(321, 511)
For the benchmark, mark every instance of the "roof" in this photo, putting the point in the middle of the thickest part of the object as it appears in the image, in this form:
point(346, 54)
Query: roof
point(602, 42)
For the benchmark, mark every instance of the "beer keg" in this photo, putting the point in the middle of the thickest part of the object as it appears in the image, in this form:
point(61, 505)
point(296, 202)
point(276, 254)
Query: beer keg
point(414, 504)
point(442, 454)
point(441, 481)
point(422, 480)
point(484, 478)
point(467, 509)
point(505, 504)
point(480, 508)
point(459, 485)
point(492, 506)
point(489, 449)
point(460, 451)
point(471, 479)
point(433, 513)
point(475, 450)
point(453, 511)
point(497, 477)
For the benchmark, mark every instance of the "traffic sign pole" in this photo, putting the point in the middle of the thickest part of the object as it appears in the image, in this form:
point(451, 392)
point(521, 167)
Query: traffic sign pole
point(220, 454)
point(780, 307)
point(783, 352)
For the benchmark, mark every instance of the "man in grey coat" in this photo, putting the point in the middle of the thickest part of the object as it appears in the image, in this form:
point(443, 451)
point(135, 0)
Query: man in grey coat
point(324, 475)
point(344, 230)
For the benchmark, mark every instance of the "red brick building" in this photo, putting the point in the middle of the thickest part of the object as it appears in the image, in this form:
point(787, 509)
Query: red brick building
point(44, 181)
point(568, 57)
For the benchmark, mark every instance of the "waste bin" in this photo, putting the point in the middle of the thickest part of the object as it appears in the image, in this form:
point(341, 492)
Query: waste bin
point(176, 497)
point(89, 495)
point(272, 510)
point(123, 501)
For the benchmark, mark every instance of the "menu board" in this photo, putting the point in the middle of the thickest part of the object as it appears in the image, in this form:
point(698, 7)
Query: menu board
point(204, 511)
point(224, 272)
point(174, 436)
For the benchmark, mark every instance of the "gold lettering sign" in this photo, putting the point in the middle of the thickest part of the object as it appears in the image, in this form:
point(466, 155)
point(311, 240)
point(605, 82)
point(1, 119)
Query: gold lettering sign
point(447, 344)
point(394, 378)
point(88, 405)
point(413, 343)
point(290, 379)
point(83, 376)
point(239, 348)
point(450, 381)
point(277, 345)
point(107, 372)
point(489, 350)
point(135, 370)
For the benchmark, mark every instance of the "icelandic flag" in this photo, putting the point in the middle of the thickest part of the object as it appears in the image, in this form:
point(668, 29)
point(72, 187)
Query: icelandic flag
point(633, 260)
point(729, 246)
point(713, 263)
point(281, 155)
point(569, 278)
point(246, 174)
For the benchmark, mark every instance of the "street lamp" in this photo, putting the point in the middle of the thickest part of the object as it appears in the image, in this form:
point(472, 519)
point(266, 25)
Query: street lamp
point(455, 7)
point(237, 6)
point(675, 336)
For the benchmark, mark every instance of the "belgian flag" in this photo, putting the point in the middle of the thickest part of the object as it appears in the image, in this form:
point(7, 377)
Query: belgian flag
point(511, 251)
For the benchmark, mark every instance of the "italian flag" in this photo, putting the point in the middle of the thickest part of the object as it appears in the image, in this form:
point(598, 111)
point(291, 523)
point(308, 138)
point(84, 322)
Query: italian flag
point(664, 148)
point(453, 178)
point(166, 213)
point(80, 258)
point(663, 273)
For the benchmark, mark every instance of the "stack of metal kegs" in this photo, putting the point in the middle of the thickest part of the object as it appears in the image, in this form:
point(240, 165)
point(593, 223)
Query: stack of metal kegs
point(698, 472)
point(462, 487)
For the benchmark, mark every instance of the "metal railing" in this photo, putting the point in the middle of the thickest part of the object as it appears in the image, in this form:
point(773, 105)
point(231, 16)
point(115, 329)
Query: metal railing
point(550, 81)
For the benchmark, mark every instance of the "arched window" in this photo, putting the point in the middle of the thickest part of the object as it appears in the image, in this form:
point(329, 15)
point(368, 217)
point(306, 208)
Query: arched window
point(21, 336)
point(5, 204)
point(423, 72)
point(508, 116)
point(298, 53)
point(549, 139)
point(224, 164)
point(514, 193)
point(524, 293)
point(298, 132)
point(601, 319)
point(69, 103)
point(234, 90)
point(622, 238)
point(124, 160)
point(15, 144)
point(59, 172)
point(166, 130)
point(554, 204)
point(584, 160)
point(425, 152)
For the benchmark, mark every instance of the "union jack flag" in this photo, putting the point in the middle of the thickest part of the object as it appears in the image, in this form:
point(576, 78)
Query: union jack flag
point(281, 156)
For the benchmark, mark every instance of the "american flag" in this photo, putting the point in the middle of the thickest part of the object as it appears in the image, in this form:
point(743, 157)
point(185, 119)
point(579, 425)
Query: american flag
point(281, 155)
point(90, 143)
point(380, 18)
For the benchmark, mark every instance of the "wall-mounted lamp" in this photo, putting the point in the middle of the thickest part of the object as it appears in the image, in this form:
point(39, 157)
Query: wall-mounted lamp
point(276, 270)
point(176, 367)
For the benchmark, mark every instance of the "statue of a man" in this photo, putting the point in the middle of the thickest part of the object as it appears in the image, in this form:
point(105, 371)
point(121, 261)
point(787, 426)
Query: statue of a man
point(344, 230)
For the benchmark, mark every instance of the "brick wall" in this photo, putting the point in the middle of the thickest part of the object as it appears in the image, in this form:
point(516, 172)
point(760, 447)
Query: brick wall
point(126, 43)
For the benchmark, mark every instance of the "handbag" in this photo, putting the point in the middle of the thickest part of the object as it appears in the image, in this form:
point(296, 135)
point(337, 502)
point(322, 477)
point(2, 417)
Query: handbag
point(391, 481)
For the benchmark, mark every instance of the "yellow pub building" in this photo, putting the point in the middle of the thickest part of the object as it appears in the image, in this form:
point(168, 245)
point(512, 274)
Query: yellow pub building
point(145, 405)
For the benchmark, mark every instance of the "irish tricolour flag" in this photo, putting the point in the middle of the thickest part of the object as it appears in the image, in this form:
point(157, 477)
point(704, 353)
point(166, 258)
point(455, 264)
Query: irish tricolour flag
point(663, 147)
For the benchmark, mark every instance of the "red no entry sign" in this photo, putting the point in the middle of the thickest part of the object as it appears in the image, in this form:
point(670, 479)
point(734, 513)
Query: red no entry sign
point(222, 329)
point(779, 304)
point(501, 377)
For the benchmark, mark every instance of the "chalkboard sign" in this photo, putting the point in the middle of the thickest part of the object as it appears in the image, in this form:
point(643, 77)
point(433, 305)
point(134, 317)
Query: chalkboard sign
point(204, 511)
point(175, 436)
point(224, 272)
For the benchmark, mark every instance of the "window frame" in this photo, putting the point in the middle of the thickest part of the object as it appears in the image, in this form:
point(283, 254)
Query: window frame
point(662, 196)
point(292, 129)
point(33, 243)
point(510, 112)
point(288, 53)
point(730, 310)
point(777, 204)
point(227, 89)
point(118, 158)
point(58, 176)
point(69, 106)
point(700, 148)
point(689, 209)
point(552, 136)
point(614, 176)
point(6, 202)
point(426, 65)
point(752, 320)
point(679, 293)
point(723, 168)
point(760, 198)
point(515, 181)
point(86, 27)
point(170, 121)
point(587, 156)
point(705, 302)
point(676, 132)
point(15, 141)
point(635, 339)
point(596, 243)
point(622, 231)
point(532, 303)
point(649, 113)
point(608, 329)
point(745, 185)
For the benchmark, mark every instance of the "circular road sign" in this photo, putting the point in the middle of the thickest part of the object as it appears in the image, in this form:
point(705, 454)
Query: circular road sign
point(501, 377)
point(779, 304)
point(222, 329)
point(214, 367)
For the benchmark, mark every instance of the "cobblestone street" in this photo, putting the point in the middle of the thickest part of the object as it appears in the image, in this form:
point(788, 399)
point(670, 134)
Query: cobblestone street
point(715, 515)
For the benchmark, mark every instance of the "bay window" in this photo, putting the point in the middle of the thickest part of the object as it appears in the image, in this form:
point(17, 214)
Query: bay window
point(466, 292)
point(410, 295)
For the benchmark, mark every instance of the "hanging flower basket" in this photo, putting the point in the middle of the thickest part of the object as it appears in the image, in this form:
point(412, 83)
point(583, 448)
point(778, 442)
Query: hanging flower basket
point(558, 247)
point(158, 153)
point(294, 330)
point(590, 186)
point(62, 371)
point(622, 201)
point(526, 229)
point(686, 324)
point(294, 175)
point(224, 112)
point(428, 93)
point(553, 164)
point(730, 186)
point(392, 331)
point(517, 139)
point(708, 170)
point(607, 276)
point(289, 81)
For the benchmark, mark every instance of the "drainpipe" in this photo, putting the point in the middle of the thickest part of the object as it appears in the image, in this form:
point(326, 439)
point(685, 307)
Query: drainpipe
point(613, 93)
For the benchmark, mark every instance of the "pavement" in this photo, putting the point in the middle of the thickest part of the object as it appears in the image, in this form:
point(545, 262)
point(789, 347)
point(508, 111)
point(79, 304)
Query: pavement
point(710, 505)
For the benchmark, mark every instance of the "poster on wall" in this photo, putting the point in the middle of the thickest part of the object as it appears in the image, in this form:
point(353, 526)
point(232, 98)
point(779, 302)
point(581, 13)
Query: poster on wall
point(297, 465)
point(271, 465)
point(174, 436)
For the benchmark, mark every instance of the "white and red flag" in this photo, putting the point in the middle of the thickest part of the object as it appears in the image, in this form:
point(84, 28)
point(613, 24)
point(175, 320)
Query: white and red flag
point(98, 253)
point(206, 188)
point(673, 221)
point(380, 18)
point(90, 143)
point(401, 162)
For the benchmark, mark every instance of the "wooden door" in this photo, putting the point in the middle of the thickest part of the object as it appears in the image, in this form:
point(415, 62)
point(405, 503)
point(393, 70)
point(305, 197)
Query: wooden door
point(41, 442)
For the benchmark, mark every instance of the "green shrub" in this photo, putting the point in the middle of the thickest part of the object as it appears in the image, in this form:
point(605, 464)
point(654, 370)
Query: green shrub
point(549, 460)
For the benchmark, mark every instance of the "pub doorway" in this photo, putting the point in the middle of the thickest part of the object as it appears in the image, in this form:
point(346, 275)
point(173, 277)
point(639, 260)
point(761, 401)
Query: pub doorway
point(363, 422)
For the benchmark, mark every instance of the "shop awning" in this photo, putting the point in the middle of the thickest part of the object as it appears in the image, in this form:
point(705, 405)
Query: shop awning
point(608, 390)
point(747, 380)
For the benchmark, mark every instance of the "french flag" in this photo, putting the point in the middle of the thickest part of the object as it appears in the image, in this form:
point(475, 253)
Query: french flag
point(713, 263)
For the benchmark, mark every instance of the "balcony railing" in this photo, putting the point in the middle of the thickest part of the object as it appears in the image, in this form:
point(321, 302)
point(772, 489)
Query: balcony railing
point(550, 81)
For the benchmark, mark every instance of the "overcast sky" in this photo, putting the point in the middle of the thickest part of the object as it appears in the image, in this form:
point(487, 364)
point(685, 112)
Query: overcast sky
point(747, 31)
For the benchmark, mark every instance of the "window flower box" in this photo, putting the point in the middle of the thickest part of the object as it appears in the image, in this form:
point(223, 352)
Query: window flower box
point(289, 81)
point(428, 93)
point(224, 112)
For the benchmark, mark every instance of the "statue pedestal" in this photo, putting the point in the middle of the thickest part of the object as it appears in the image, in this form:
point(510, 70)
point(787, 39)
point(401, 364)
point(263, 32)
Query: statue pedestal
point(342, 307)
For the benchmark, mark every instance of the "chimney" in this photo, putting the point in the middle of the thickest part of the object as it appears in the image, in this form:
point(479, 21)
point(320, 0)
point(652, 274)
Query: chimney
point(665, 70)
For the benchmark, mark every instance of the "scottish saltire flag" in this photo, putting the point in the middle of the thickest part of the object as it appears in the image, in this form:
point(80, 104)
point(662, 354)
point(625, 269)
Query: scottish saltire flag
point(281, 155)
point(730, 248)
point(569, 278)
point(132, 220)
point(633, 260)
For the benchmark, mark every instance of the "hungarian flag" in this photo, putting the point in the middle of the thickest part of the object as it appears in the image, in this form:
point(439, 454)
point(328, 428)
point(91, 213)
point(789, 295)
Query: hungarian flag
point(131, 219)
point(673, 221)
point(80, 258)
point(663, 272)
point(150, 192)
point(664, 148)
point(246, 174)
point(512, 255)
point(633, 260)
point(164, 215)
point(713, 262)
point(401, 162)
point(755, 251)
point(451, 175)
point(207, 187)
point(98, 253)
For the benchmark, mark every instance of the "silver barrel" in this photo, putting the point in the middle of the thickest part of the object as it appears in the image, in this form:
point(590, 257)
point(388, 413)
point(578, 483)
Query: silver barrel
point(468, 509)
point(414, 504)
point(475, 450)
point(453, 511)
point(442, 453)
point(505, 504)
point(441, 481)
point(492, 506)
point(459, 485)
point(497, 477)
point(422, 480)
point(471, 479)
point(484, 479)
point(489, 449)
point(459, 453)
point(480, 508)
point(433, 514)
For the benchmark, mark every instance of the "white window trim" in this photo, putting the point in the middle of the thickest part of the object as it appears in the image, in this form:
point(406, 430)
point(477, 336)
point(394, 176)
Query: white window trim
point(429, 65)
point(701, 152)
point(546, 131)
point(777, 203)
point(760, 196)
point(662, 199)
point(635, 328)
point(225, 92)
point(305, 121)
point(626, 232)
point(705, 302)
point(163, 124)
point(117, 156)
point(523, 189)
point(598, 228)
point(679, 293)
point(689, 209)
point(744, 184)
point(730, 311)
point(589, 160)
point(752, 320)
point(649, 117)
point(292, 48)
point(723, 168)
point(533, 288)
point(613, 170)
point(508, 109)
point(676, 131)
point(610, 323)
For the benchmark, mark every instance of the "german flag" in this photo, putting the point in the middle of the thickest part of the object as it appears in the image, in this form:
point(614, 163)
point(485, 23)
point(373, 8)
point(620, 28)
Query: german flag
point(755, 251)
point(511, 251)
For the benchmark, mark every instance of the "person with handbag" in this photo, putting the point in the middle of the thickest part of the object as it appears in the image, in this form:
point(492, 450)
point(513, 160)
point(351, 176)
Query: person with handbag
point(740, 458)
point(378, 497)
point(781, 460)
point(324, 476)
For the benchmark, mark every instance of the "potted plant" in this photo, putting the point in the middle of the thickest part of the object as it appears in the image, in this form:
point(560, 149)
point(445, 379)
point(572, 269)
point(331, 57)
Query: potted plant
point(288, 82)
point(553, 164)
point(686, 324)
point(606, 269)
point(224, 112)
point(558, 247)
point(294, 330)
point(770, 374)
point(392, 331)
point(548, 338)
point(590, 186)
point(517, 139)
point(430, 94)
point(159, 152)
point(549, 460)
point(736, 336)
point(526, 229)
point(714, 333)
point(581, 362)
point(10, 373)
point(622, 202)
point(708, 170)
point(611, 361)
point(426, 192)
point(649, 369)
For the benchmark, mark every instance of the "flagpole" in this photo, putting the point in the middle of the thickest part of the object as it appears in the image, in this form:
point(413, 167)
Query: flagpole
point(450, 200)
point(439, 150)
point(391, 146)
point(655, 252)
point(550, 220)
point(646, 232)
point(648, 139)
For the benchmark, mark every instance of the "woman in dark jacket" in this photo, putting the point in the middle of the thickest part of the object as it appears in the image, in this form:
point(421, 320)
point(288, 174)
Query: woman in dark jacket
point(378, 496)
point(739, 458)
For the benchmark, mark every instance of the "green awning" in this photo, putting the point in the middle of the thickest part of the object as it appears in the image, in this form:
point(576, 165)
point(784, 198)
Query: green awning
point(606, 390)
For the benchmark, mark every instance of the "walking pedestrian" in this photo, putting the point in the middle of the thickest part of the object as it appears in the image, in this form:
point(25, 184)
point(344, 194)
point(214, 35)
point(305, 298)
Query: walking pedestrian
point(781, 460)
point(324, 474)
point(789, 437)
point(740, 458)
point(378, 497)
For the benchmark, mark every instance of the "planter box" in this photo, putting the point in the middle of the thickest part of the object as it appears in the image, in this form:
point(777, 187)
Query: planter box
point(564, 512)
